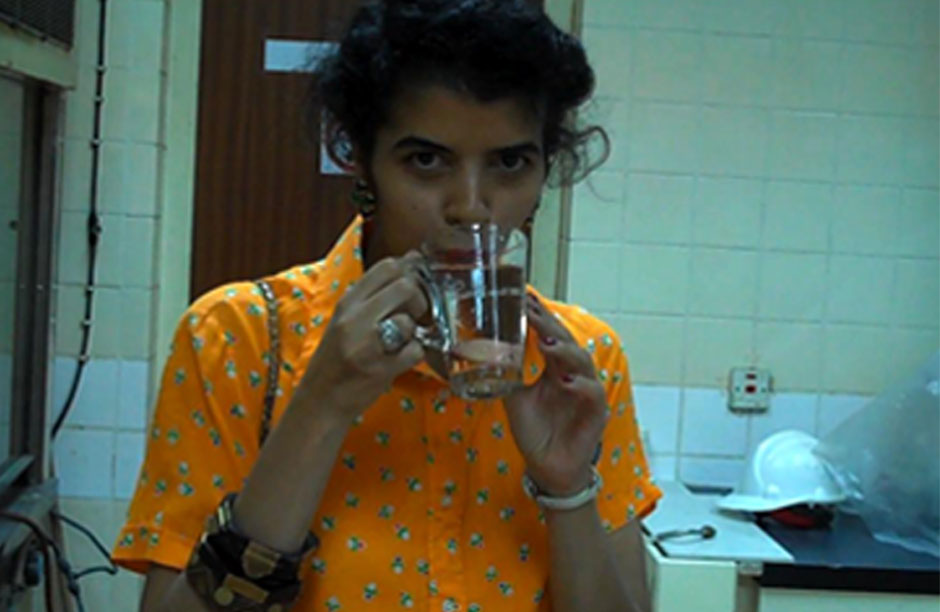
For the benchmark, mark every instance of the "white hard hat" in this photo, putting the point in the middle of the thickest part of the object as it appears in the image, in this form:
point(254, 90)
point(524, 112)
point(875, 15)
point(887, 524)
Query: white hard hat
point(782, 472)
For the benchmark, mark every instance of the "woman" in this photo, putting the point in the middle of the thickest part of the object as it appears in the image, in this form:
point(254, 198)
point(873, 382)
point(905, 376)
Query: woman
point(455, 113)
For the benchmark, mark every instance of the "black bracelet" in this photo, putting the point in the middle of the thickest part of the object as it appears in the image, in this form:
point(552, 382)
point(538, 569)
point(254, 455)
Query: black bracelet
point(234, 573)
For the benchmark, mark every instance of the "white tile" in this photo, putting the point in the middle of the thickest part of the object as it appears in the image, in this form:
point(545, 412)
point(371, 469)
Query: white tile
point(78, 121)
point(133, 108)
point(802, 146)
point(739, 16)
point(129, 178)
point(73, 248)
point(654, 345)
point(664, 467)
point(137, 252)
point(797, 216)
point(816, 19)
point(921, 159)
point(654, 278)
point(724, 282)
point(835, 409)
point(917, 299)
point(865, 220)
point(737, 69)
point(665, 137)
point(727, 212)
point(676, 14)
point(793, 352)
point(734, 141)
point(136, 32)
point(96, 401)
point(597, 207)
point(870, 149)
point(593, 276)
point(76, 174)
point(859, 289)
point(667, 66)
point(134, 323)
point(69, 306)
point(708, 427)
point(792, 286)
point(84, 462)
point(882, 21)
point(806, 74)
point(658, 208)
point(132, 394)
point(713, 472)
point(888, 79)
point(106, 337)
point(128, 457)
point(658, 413)
point(926, 18)
point(857, 359)
point(607, 50)
point(110, 251)
point(787, 411)
point(608, 14)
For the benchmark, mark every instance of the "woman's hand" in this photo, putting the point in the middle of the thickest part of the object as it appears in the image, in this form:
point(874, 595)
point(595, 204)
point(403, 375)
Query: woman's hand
point(351, 368)
point(558, 422)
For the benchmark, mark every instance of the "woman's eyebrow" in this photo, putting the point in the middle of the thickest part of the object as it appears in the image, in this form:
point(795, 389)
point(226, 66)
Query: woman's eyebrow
point(518, 149)
point(416, 142)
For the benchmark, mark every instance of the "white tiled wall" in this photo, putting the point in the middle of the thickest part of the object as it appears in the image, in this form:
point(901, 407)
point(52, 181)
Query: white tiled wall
point(99, 451)
point(771, 199)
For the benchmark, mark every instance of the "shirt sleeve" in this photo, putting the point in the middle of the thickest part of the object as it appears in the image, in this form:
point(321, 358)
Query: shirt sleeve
point(203, 438)
point(628, 490)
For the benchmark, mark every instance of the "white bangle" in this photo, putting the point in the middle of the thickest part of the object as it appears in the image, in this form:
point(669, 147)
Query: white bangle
point(563, 503)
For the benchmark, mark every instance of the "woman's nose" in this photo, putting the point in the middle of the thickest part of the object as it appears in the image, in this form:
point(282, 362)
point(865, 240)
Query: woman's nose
point(467, 201)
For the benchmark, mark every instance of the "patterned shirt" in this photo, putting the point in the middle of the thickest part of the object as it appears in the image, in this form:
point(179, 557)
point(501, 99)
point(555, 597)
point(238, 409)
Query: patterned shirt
point(424, 508)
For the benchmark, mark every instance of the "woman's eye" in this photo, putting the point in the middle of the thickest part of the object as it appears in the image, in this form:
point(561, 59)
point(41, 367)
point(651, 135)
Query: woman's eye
point(512, 161)
point(424, 160)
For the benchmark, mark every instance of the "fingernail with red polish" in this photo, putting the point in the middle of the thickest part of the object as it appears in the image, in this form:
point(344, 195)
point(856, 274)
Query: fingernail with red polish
point(567, 378)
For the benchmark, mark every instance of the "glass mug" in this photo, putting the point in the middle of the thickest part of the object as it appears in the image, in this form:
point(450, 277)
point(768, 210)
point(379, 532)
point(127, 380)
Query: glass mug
point(475, 280)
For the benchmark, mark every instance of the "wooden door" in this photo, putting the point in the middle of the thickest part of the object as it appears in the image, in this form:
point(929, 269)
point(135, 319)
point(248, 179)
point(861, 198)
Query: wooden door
point(261, 203)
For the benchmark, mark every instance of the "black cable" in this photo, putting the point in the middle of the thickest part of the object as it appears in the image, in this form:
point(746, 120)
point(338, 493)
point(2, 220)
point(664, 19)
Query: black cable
point(94, 222)
point(110, 568)
point(61, 562)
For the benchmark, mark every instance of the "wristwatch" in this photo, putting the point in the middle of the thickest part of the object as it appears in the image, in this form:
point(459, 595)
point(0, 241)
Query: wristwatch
point(563, 503)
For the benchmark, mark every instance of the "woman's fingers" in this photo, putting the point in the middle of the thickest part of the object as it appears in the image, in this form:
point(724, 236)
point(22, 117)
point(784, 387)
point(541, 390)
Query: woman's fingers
point(382, 274)
point(566, 358)
point(563, 357)
point(404, 295)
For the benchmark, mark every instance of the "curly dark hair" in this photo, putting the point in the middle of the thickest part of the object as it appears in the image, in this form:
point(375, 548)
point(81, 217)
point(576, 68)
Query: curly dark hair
point(492, 49)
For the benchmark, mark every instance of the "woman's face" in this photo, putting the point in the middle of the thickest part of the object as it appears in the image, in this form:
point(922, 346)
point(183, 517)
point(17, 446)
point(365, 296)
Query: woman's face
point(444, 158)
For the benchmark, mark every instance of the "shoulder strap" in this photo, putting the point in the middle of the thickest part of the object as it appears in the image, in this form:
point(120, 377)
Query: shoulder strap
point(274, 359)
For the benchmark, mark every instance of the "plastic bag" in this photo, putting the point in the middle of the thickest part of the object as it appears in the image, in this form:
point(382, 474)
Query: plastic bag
point(886, 458)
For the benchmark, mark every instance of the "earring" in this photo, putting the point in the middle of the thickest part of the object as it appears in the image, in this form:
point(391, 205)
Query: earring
point(363, 199)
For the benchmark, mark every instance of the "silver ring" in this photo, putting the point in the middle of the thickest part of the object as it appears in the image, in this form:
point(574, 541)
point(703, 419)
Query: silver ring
point(391, 336)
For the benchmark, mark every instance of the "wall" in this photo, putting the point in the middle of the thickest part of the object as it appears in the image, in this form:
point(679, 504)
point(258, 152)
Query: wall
point(145, 205)
point(771, 199)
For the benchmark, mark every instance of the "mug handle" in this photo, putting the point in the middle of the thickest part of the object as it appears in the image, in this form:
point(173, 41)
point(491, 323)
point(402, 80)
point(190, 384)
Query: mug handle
point(437, 335)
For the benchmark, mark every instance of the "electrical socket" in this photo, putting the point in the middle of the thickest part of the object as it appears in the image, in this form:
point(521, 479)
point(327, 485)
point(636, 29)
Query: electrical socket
point(749, 389)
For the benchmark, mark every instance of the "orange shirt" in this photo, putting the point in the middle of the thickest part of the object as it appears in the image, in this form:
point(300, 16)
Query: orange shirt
point(424, 509)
